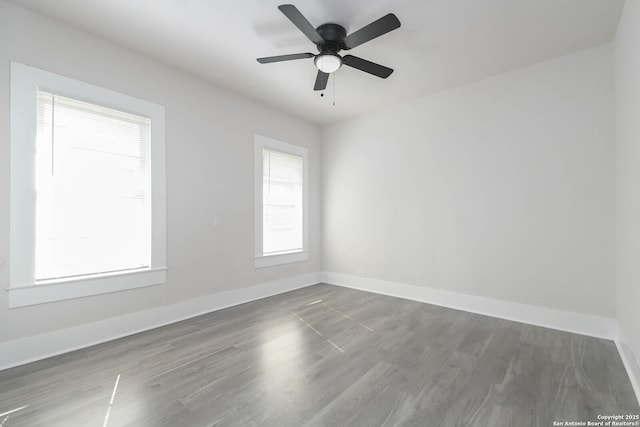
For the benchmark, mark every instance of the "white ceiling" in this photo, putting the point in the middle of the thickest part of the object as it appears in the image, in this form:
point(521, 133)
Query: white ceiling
point(441, 43)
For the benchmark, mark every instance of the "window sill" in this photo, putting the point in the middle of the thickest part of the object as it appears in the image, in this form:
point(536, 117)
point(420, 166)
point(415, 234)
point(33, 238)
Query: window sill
point(64, 289)
point(271, 260)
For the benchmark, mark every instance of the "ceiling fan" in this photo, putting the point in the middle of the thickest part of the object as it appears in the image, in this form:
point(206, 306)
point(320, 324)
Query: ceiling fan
point(331, 39)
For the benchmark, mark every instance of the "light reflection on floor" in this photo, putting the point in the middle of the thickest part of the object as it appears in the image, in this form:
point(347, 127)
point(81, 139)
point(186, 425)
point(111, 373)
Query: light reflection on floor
point(282, 349)
point(113, 396)
point(8, 414)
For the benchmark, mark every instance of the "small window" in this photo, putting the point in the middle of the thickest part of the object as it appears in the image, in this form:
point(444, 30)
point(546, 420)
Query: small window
point(281, 202)
point(88, 210)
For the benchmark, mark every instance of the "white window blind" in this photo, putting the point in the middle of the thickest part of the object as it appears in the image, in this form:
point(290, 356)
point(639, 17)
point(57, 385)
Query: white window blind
point(93, 210)
point(282, 196)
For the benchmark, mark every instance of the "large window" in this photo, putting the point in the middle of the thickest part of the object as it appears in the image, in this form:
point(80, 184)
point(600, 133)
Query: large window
point(87, 180)
point(281, 202)
point(92, 189)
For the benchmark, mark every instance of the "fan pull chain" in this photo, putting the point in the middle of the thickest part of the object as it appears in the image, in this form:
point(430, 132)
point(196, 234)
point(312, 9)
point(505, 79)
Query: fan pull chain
point(334, 89)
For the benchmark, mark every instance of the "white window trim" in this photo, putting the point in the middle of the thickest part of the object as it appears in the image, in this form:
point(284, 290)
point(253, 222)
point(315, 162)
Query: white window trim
point(260, 259)
point(23, 289)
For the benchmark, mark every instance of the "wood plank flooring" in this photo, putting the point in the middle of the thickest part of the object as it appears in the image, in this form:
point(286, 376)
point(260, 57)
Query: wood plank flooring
point(326, 356)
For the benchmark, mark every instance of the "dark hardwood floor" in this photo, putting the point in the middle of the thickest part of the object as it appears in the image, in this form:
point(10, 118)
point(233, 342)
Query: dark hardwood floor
point(326, 356)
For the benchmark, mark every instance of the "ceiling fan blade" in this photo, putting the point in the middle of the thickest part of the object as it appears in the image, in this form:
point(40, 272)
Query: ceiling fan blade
point(280, 58)
point(321, 81)
point(367, 66)
point(294, 15)
point(369, 32)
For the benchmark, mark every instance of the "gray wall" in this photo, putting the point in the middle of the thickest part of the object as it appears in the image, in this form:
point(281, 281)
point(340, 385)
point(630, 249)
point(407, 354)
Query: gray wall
point(503, 188)
point(209, 172)
point(627, 60)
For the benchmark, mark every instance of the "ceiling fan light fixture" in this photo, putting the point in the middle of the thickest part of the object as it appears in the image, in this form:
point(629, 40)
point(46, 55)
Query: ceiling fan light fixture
point(328, 62)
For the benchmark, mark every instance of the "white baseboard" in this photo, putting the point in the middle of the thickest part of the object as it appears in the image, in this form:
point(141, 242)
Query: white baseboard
point(30, 349)
point(630, 362)
point(580, 323)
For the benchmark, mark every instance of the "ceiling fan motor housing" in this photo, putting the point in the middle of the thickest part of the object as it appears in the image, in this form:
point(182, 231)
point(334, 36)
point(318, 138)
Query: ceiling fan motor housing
point(333, 35)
